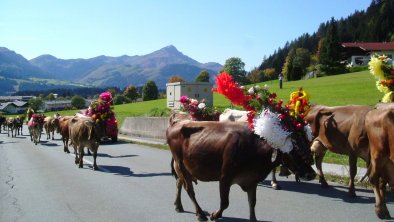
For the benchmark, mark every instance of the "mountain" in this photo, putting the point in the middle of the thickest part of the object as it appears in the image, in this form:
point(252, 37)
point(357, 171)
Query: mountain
point(48, 72)
point(124, 70)
point(13, 65)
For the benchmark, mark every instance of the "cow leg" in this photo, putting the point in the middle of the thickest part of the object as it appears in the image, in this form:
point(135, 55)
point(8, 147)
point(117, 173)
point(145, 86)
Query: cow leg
point(178, 200)
point(274, 183)
point(319, 151)
point(353, 172)
point(224, 186)
point(179, 184)
point(94, 159)
point(252, 202)
point(190, 191)
point(81, 153)
point(380, 201)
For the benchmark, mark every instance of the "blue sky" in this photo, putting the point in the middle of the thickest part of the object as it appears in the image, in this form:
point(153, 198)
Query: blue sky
point(205, 30)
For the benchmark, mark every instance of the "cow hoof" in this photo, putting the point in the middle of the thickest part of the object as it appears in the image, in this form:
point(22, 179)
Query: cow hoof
point(179, 209)
point(216, 215)
point(95, 168)
point(352, 194)
point(323, 183)
point(276, 186)
point(382, 213)
point(80, 166)
point(202, 217)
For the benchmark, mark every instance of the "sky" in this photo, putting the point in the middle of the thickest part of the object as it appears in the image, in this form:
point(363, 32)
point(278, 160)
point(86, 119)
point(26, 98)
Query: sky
point(205, 30)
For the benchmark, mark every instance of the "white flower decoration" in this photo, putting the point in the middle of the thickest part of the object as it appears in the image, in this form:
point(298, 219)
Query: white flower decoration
point(266, 87)
point(268, 126)
point(201, 105)
point(251, 91)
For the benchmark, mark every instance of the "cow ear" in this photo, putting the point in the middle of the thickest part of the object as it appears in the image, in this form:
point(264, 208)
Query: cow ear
point(88, 123)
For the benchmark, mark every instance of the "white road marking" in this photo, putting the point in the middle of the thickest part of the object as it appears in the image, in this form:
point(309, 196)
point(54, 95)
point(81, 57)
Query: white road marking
point(91, 163)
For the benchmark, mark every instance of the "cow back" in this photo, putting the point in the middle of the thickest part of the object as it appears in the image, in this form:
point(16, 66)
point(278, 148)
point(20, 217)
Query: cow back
point(341, 129)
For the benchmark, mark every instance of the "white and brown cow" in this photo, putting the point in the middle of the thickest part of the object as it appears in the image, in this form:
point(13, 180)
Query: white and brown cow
point(341, 130)
point(379, 124)
point(11, 123)
point(84, 132)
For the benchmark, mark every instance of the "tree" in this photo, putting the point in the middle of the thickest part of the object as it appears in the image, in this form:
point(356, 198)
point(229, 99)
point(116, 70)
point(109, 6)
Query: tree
point(78, 102)
point(50, 96)
point(296, 63)
point(175, 78)
point(36, 103)
point(130, 93)
point(236, 68)
point(120, 99)
point(330, 51)
point(269, 73)
point(203, 76)
point(150, 91)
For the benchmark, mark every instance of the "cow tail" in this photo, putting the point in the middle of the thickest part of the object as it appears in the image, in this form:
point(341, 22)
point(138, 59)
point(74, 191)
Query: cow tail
point(173, 169)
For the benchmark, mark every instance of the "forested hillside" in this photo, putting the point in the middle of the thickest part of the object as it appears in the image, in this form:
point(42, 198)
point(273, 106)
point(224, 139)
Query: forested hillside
point(376, 24)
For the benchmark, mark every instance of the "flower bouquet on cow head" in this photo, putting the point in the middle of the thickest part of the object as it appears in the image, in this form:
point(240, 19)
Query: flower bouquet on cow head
point(101, 109)
point(267, 117)
point(380, 67)
point(198, 110)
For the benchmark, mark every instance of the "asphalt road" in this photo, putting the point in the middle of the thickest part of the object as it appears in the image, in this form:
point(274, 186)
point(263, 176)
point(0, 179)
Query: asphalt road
point(42, 183)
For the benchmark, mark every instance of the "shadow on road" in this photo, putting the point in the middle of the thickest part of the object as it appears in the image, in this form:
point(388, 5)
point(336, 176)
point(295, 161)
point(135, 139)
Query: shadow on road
point(334, 191)
point(109, 156)
point(125, 171)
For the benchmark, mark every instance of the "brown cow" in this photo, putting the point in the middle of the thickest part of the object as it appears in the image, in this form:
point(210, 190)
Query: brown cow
point(51, 124)
point(228, 152)
point(63, 130)
point(379, 124)
point(84, 132)
point(340, 130)
point(11, 123)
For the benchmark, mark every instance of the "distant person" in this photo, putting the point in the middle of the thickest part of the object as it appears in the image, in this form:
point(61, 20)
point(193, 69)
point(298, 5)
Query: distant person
point(280, 80)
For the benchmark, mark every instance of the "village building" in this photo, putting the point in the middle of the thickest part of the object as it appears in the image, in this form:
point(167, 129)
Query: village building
point(359, 53)
point(15, 107)
point(201, 91)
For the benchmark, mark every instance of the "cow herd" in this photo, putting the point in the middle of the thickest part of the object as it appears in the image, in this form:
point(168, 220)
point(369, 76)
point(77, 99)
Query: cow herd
point(229, 152)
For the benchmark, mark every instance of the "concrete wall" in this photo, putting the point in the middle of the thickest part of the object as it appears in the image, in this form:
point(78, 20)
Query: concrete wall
point(146, 127)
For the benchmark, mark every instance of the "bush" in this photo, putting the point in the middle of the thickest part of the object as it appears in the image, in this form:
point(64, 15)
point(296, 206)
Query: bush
point(357, 68)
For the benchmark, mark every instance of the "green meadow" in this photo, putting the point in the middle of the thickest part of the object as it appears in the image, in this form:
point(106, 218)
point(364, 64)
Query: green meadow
point(347, 89)
point(354, 88)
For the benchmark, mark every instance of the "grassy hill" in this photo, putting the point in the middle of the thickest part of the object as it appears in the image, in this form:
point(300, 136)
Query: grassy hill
point(353, 88)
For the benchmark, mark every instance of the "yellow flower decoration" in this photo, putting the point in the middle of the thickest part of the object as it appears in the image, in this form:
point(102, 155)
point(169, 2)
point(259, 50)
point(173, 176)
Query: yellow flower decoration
point(375, 67)
point(381, 88)
point(388, 97)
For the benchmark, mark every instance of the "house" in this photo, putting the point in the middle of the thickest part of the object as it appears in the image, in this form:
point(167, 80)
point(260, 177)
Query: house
point(194, 90)
point(54, 105)
point(4, 99)
point(359, 53)
point(14, 107)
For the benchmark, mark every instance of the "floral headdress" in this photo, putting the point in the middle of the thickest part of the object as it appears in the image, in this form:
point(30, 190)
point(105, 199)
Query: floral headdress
point(380, 67)
point(198, 110)
point(101, 109)
point(267, 117)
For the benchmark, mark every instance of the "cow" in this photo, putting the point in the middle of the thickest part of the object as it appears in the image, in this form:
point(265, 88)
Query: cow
point(84, 132)
point(379, 124)
point(51, 124)
point(2, 122)
point(228, 152)
point(11, 123)
point(35, 128)
point(234, 115)
point(63, 130)
point(19, 124)
point(339, 129)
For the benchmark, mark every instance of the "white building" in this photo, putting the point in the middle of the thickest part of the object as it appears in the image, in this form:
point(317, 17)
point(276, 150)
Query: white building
point(193, 90)
point(359, 53)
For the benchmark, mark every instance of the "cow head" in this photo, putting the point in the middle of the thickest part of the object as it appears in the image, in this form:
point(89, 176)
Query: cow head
point(97, 130)
point(299, 159)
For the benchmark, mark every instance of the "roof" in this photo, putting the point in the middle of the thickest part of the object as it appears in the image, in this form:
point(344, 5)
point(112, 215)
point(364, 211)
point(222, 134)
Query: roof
point(15, 103)
point(370, 46)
